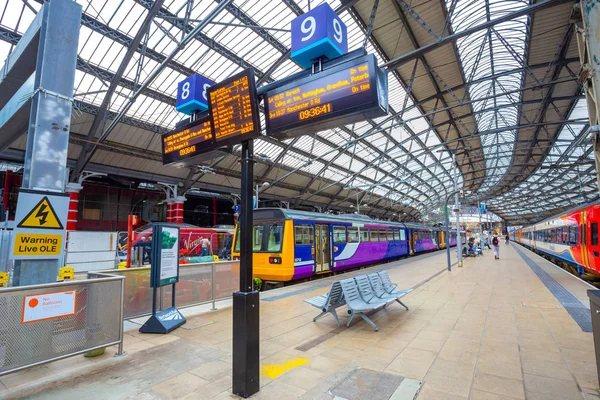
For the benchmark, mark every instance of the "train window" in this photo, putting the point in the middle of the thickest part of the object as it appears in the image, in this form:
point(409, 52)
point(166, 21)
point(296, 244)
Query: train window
point(275, 236)
point(339, 234)
point(402, 234)
point(565, 234)
point(364, 235)
point(396, 235)
point(373, 235)
point(257, 237)
point(553, 235)
point(352, 234)
point(390, 235)
point(382, 236)
point(594, 236)
point(304, 235)
point(573, 235)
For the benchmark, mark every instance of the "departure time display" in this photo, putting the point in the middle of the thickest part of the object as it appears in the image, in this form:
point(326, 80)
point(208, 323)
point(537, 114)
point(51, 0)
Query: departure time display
point(234, 109)
point(346, 90)
point(186, 142)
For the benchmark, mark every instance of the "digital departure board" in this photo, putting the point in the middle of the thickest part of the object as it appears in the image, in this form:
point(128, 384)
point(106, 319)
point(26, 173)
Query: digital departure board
point(346, 93)
point(189, 144)
point(233, 107)
point(186, 142)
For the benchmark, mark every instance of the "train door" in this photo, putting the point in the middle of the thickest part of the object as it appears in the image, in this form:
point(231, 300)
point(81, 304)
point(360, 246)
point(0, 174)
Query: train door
point(593, 238)
point(323, 247)
point(583, 238)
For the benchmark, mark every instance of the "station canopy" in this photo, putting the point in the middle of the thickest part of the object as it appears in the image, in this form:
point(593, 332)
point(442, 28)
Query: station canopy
point(493, 80)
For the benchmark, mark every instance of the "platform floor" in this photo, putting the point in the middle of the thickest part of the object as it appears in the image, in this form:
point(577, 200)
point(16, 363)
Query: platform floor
point(490, 330)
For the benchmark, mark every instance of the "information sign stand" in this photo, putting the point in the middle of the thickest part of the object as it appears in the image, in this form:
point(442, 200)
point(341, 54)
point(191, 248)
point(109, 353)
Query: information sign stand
point(164, 271)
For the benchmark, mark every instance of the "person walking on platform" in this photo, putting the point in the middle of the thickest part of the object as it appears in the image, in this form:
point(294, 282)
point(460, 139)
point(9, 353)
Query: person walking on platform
point(507, 238)
point(496, 244)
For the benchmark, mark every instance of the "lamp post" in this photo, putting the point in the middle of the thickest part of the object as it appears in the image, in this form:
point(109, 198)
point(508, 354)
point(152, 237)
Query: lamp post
point(456, 204)
point(457, 211)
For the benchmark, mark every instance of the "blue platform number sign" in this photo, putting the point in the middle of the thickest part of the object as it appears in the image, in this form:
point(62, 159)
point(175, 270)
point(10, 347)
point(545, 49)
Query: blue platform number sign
point(482, 208)
point(191, 94)
point(319, 32)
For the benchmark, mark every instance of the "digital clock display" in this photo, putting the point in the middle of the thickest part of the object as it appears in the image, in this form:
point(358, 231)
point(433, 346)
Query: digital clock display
point(234, 109)
point(346, 90)
point(186, 142)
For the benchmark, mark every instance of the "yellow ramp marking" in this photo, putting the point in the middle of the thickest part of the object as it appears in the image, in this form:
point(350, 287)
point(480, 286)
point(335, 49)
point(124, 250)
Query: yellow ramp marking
point(276, 370)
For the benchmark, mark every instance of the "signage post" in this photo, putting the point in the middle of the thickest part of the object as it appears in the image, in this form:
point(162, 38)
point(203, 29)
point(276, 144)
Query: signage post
point(164, 271)
point(234, 114)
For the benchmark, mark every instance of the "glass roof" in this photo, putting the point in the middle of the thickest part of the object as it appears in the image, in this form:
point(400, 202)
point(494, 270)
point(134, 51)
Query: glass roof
point(394, 161)
point(487, 53)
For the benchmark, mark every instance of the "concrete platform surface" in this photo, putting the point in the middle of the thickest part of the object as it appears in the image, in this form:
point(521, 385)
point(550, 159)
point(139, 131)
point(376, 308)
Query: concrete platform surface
point(494, 329)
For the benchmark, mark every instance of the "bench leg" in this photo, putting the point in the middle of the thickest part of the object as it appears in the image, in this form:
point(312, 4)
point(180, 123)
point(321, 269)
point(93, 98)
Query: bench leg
point(320, 315)
point(363, 316)
point(335, 316)
point(403, 305)
point(350, 320)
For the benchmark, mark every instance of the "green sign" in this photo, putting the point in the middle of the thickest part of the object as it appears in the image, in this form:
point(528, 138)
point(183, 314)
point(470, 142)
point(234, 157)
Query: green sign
point(165, 255)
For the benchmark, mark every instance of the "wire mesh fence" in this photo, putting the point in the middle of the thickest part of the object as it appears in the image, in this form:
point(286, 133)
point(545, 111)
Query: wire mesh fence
point(32, 332)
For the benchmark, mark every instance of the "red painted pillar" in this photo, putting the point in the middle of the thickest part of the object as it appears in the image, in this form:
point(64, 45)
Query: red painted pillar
point(169, 210)
point(178, 210)
point(73, 189)
point(214, 211)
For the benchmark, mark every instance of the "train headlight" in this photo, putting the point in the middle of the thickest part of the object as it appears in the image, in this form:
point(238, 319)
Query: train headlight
point(274, 260)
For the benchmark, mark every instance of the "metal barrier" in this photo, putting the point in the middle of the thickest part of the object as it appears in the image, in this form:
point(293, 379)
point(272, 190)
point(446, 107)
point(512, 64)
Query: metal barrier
point(5, 242)
point(96, 323)
point(198, 284)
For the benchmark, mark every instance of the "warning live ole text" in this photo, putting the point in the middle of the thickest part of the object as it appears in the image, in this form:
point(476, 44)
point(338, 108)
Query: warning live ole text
point(32, 244)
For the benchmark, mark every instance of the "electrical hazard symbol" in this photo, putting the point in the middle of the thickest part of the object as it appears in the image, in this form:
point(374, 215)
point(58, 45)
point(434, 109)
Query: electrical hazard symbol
point(42, 216)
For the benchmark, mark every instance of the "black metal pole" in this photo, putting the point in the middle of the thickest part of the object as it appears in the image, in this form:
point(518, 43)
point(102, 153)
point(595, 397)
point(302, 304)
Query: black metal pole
point(246, 350)
point(173, 296)
point(154, 301)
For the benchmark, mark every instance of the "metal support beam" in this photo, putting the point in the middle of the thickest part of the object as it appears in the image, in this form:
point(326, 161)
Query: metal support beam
point(531, 9)
point(100, 119)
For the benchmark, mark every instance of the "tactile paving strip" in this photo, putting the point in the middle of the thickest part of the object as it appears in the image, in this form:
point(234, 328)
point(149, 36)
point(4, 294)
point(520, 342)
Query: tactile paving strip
point(579, 312)
point(364, 383)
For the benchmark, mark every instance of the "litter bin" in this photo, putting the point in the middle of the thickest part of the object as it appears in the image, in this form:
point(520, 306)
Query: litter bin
point(594, 296)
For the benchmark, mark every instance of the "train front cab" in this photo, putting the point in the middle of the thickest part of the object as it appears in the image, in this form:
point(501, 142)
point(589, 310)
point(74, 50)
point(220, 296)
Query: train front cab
point(272, 249)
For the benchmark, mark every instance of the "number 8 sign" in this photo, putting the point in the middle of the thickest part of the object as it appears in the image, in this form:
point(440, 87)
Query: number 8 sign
point(319, 32)
point(191, 94)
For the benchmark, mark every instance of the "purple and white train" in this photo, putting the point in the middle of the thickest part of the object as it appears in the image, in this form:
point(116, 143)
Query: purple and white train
point(290, 244)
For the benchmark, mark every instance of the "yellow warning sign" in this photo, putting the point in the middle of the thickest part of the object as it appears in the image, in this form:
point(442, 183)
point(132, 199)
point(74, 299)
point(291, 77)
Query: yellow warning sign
point(38, 244)
point(42, 216)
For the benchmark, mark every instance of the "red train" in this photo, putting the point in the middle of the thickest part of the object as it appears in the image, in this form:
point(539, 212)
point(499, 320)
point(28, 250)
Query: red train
point(571, 239)
point(190, 240)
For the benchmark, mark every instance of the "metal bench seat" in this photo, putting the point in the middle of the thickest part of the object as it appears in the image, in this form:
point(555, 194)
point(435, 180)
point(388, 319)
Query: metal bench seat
point(357, 305)
point(390, 287)
point(379, 290)
point(328, 302)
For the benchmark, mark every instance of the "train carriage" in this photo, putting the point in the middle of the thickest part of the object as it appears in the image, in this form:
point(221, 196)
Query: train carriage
point(570, 237)
point(289, 244)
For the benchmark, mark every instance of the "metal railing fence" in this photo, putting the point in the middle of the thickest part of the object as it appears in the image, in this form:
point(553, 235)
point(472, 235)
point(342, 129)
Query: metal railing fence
point(97, 322)
point(198, 284)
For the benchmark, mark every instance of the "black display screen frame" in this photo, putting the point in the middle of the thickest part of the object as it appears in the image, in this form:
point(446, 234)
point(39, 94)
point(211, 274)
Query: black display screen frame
point(201, 148)
point(274, 128)
point(238, 138)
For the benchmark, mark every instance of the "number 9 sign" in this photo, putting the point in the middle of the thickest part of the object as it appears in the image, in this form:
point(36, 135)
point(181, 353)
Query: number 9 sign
point(318, 33)
point(191, 94)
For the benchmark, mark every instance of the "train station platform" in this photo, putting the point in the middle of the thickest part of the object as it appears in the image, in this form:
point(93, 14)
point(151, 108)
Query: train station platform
point(514, 328)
